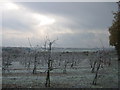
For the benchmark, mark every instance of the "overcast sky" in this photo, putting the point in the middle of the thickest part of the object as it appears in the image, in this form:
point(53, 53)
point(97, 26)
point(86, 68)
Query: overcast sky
point(78, 25)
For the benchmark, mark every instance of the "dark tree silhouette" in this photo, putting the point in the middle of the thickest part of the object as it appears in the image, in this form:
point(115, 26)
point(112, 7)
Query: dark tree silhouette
point(114, 31)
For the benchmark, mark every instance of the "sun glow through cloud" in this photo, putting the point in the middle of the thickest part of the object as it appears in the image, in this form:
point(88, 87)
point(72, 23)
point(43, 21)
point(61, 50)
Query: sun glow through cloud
point(43, 20)
point(38, 22)
point(10, 6)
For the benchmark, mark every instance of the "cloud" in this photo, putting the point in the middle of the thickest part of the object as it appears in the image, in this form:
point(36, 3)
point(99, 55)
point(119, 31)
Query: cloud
point(86, 15)
point(75, 24)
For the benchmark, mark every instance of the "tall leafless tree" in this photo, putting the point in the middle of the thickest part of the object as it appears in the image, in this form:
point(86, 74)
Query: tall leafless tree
point(50, 43)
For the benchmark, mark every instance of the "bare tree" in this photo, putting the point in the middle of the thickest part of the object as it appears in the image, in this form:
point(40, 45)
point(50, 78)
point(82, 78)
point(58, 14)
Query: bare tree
point(93, 64)
point(96, 74)
point(6, 61)
point(60, 59)
point(29, 62)
point(99, 64)
point(35, 57)
point(50, 62)
point(65, 67)
point(35, 63)
point(73, 63)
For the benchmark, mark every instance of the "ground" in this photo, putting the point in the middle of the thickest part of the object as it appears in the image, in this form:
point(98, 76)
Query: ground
point(78, 76)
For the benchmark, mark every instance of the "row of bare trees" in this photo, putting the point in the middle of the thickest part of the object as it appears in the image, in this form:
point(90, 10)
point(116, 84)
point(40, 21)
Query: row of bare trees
point(96, 64)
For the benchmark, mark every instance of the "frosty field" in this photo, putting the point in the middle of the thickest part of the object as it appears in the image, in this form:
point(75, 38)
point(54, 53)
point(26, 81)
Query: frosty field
point(78, 71)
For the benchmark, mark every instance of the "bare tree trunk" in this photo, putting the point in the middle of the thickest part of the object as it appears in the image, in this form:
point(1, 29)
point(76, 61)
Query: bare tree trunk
point(28, 66)
point(25, 58)
point(90, 63)
point(29, 60)
point(71, 65)
point(7, 64)
point(93, 68)
point(73, 61)
point(60, 60)
point(47, 84)
point(65, 66)
point(35, 62)
point(96, 75)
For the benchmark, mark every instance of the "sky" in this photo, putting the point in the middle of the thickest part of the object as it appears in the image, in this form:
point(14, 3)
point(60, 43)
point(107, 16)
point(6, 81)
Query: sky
point(74, 24)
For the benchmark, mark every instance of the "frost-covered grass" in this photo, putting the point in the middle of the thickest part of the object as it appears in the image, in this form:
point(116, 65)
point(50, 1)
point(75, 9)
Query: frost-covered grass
point(78, 76)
